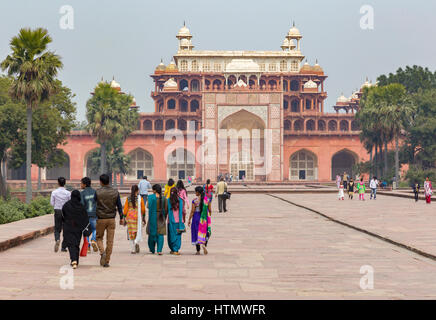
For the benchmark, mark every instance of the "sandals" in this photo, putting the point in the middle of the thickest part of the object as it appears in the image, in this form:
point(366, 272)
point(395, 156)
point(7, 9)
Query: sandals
point(74, 264)
point(204, 249)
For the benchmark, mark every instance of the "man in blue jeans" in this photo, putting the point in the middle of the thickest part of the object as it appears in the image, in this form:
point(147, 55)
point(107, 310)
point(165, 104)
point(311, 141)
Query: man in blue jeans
point(373, 184)
point(88, 199)
point(144, 186)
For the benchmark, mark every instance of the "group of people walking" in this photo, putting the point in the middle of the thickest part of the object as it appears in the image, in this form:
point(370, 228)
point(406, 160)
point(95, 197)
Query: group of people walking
point(428, 190)
point(347, 185)
point(92, 213)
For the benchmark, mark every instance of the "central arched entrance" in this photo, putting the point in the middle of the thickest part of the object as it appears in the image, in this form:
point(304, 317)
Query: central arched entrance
point(242, 137)
point(303, 165)
point(343, 161)
point(242, 166)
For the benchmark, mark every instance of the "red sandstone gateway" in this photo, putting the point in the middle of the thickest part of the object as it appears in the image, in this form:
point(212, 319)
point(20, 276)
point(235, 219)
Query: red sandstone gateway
point(246, 95)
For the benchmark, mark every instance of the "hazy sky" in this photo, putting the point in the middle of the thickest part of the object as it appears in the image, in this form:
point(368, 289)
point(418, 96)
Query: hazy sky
point(127, 39)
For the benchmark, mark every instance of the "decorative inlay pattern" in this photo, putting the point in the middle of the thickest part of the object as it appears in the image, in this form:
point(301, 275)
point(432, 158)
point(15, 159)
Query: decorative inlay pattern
point(275, 110)
point(210, 111)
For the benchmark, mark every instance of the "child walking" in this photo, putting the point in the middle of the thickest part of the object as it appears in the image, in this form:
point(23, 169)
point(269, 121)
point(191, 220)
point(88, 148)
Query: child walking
point(351, 189)
point(361, 189)
point(341, 192)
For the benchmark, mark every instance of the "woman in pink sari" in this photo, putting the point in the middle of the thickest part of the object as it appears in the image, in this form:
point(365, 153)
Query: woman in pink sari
point(183, 195)
point(428, 190)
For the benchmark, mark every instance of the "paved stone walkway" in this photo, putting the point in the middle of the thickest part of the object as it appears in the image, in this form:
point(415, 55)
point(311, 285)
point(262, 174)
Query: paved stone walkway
point(263, 248)
point(399, 219)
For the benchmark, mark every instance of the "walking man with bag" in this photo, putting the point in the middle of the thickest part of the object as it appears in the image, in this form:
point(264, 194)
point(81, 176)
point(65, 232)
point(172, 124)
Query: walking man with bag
point(221, 190)
point(108, 202)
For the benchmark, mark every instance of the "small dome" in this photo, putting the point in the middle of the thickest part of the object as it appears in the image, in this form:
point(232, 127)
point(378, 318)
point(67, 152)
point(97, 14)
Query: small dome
point(160, 68)
point(317, 68)
point(184, 32)
point(342, 99)
point(306, 68)
point(310, 85)
point(115, 84)
point(294, 33)
point(367, 84)
point(170, 83)
point(133, 102)
point(285, 43)
point(171, 67)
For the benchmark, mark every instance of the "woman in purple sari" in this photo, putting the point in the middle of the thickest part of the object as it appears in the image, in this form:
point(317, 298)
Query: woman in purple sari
point(200, 220)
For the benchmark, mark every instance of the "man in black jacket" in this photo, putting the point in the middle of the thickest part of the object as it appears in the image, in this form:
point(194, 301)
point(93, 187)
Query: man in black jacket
point(108, 201)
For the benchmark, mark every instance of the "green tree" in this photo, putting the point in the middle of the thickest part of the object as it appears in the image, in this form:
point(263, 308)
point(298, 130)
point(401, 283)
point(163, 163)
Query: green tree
point(11, 120)
point(422, 132)
point(109, 118)
point(117, 161)
point(53, 121)
point(414, 78)
point(397, 113)
point(385, 112)
point(419, 148)
point(34, 68)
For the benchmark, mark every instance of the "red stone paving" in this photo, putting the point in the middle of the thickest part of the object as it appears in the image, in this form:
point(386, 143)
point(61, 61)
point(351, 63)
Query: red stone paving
point(399, 219)
point(263, 248)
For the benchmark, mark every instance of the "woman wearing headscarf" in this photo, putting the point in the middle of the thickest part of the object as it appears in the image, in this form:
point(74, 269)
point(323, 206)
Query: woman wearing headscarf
point(175, 224)
point(135, 218)
point(75, 219)
point(157, 213)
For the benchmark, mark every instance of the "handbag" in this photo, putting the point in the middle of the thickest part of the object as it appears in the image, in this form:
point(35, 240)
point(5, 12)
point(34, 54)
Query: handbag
point(84, 250)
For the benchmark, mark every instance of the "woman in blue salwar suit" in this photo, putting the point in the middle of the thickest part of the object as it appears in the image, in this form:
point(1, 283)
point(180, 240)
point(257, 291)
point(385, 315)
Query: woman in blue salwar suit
point(175, 222)
point(157, 213)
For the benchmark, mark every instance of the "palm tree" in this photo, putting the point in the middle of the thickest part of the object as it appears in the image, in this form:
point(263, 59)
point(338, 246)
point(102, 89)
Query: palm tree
point(109, 117)
point(34, 69)
point(400, 115)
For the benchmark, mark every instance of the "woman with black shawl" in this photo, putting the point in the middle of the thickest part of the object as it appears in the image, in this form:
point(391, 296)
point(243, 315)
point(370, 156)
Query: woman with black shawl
point(75, 219)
